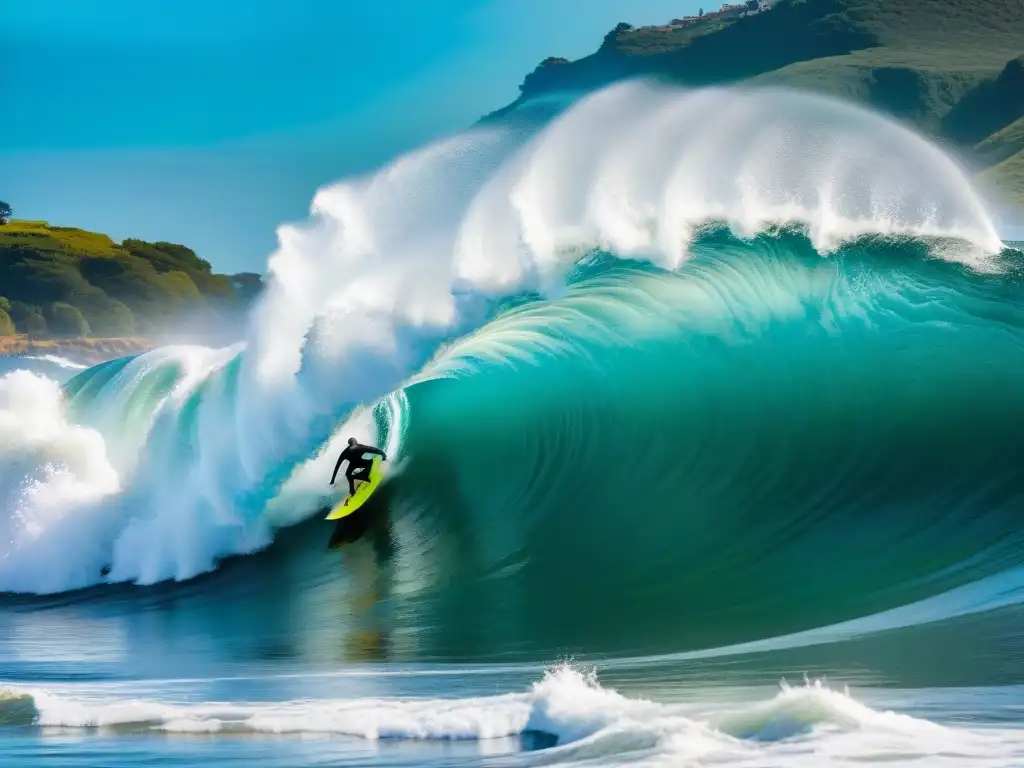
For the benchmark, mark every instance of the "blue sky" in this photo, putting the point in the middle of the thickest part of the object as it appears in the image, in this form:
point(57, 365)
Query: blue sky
point(209, 122)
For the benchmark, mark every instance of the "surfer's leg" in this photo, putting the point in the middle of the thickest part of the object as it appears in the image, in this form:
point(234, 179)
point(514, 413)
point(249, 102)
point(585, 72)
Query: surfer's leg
point(358, 469)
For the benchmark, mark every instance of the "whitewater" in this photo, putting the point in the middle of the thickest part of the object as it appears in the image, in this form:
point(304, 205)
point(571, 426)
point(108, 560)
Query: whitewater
point(795, 317)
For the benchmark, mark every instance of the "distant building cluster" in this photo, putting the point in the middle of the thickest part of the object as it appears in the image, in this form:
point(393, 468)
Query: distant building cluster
point(727, 10)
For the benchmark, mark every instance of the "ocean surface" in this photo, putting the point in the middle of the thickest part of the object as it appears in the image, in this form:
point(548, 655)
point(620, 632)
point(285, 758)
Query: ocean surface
point(705, 421)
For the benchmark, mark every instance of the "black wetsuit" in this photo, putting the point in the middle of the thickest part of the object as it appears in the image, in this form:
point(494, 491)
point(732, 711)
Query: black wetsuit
point(358, 464)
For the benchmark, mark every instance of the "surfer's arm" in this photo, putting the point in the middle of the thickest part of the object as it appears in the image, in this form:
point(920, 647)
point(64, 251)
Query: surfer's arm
point(371, 449)
point(341, 458)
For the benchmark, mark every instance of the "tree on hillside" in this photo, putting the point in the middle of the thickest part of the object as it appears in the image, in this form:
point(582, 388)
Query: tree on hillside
point(6, 324)
point(28, 319)
point(104, 315)
point(5, 212)
point(612, 36)
point(66, 320)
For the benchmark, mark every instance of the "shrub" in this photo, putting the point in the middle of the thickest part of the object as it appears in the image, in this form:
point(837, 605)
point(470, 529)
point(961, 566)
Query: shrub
point(66, 320)
point(28, 319)
point(36, 277)
point(105, 316)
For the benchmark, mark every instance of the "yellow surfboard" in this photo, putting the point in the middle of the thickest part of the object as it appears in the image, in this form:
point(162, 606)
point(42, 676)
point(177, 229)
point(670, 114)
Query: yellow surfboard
point(363, 490)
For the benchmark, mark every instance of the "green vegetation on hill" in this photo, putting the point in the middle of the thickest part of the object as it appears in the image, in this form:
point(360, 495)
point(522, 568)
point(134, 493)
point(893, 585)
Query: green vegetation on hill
point(63, 281)
point(954, 68)
point(6, 323)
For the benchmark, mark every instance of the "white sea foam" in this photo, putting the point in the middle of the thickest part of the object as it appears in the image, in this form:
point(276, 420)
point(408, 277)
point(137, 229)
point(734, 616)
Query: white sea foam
point(50, 470)
point(58, 361)
point(810, 725)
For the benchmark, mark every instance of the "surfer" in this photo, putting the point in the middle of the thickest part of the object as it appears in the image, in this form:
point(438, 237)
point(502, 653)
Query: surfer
point(358, 464)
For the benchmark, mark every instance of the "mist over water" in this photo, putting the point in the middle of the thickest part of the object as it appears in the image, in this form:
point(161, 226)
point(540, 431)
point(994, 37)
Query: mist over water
point(670, 373)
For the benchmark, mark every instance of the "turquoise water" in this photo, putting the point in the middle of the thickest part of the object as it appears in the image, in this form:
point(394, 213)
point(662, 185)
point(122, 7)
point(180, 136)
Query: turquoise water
point(681, 473)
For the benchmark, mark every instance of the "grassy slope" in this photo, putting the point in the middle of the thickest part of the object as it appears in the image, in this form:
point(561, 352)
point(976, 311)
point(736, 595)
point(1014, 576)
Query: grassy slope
point(41, 237)
point(42, 264)
point(939, 65)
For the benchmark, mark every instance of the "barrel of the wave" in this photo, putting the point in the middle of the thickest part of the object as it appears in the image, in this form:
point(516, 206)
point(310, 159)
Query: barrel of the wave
point(350, 512)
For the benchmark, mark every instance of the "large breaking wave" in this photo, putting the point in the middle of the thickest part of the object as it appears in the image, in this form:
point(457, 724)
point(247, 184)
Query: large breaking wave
point(711, 365)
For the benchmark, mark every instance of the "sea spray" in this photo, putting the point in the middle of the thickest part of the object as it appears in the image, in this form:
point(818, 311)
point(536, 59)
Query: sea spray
point(50, 470)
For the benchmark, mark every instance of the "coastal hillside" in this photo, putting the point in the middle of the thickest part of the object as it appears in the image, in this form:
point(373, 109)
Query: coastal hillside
point(64, 282)
point(954, 69)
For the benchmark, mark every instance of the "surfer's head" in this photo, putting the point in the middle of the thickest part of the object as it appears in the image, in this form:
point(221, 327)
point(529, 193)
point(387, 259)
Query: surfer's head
point(352, 441)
